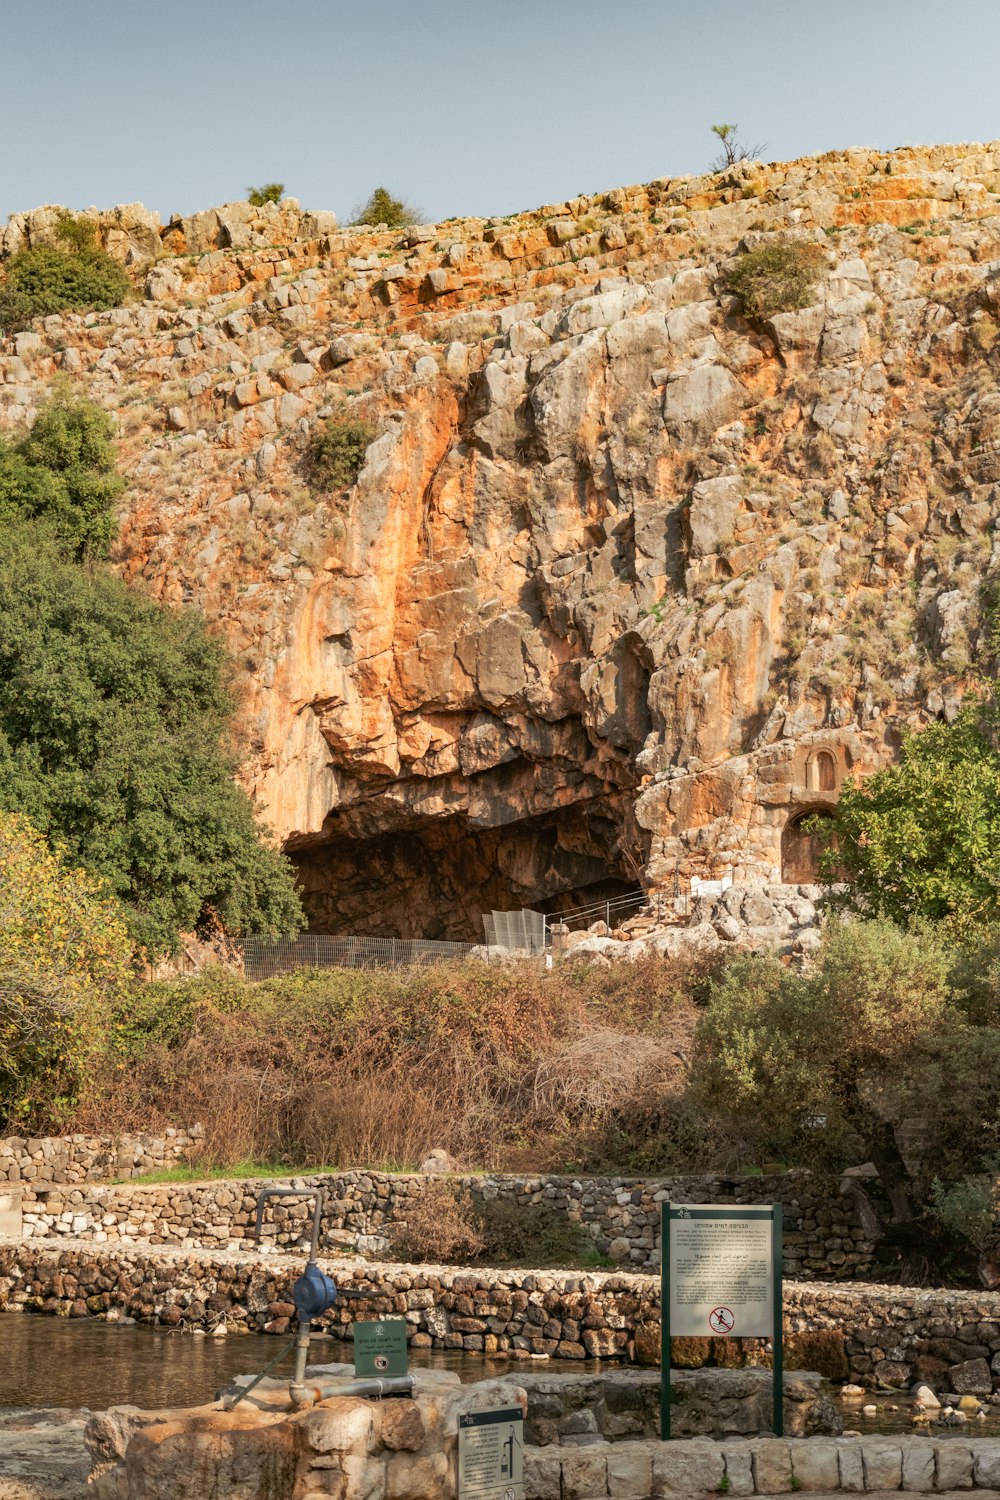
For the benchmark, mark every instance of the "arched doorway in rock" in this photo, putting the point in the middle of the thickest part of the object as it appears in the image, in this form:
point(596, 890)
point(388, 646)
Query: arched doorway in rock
point(801, 849)
point(821, 771)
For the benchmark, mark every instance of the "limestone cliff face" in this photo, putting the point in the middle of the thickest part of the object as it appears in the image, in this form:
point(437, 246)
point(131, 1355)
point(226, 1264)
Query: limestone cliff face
point(626, 584)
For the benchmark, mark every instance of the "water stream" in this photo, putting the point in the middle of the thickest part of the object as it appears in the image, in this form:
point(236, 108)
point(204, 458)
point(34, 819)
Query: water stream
point(85, 1362)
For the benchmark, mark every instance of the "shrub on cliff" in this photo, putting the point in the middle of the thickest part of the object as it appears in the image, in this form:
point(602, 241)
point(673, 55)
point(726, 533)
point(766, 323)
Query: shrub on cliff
point(268, 192)
point(922, 838)
point(382, 208)
point(63, 472)
point(337, 452)
point(115, 720)
point(774, 278)
point(73, 275)
point(64, 953)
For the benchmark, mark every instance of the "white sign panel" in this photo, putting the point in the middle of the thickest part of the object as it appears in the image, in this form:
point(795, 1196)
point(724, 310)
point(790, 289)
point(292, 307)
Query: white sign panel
point(491, 1455)
point(721, 1271)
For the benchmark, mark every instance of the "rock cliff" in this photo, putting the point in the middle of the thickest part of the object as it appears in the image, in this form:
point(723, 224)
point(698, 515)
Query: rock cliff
point(627, 584)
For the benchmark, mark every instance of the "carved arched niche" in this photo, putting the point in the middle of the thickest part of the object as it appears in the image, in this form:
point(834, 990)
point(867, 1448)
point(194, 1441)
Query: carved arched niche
point(800, 848)
point(821, 771)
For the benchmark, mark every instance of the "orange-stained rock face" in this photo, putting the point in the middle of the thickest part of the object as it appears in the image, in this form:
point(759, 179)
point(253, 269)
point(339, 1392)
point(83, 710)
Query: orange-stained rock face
point(625, 584)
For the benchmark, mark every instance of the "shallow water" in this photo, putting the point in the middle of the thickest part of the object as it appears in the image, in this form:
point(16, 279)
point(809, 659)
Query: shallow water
point(87, 1362)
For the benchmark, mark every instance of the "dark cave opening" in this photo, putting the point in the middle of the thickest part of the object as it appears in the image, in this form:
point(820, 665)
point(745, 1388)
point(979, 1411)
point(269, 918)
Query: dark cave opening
point(436, 877)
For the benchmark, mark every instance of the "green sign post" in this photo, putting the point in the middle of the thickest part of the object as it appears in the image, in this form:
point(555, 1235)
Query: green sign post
point(380, 1348)
point(720, 1276)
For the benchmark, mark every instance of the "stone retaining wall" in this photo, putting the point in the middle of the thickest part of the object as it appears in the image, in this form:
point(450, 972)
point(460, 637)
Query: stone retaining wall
point(824, 1236)
point(891, 1335)
point(44, 1160)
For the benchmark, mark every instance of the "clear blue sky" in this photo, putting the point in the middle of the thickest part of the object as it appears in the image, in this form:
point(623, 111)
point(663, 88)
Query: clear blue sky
point(463, 106)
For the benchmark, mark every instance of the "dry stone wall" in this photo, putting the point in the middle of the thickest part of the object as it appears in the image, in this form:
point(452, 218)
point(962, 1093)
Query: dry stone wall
point(824, 1235)
point(885, 1335)
point(37, 1162)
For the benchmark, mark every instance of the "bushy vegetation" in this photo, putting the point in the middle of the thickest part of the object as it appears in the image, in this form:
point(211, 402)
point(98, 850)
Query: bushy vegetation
point(268, 192)
point(776, 277)
point(63, 472)
point(72, 275)
point(348, 1067)
point(337, 451)
point(382, 208)
point(115, 739)
point(444, 1225)
point(922, 837)
point(645, 1068)
point(64, 952)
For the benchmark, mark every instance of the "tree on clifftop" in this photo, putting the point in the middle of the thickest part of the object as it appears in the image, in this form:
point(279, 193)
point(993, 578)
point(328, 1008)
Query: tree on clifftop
point(382, 208)
point(115, 738)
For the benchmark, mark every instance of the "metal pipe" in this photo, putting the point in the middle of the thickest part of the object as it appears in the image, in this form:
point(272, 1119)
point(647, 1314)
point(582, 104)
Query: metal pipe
point(315, 1193)
point(390, 1385)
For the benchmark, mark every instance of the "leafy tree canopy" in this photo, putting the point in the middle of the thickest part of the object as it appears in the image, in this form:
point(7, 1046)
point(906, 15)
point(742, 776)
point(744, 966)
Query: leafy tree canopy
point(74, 275)
point(382, 208)
point(268, 192)
point(922, 838)
point(63, 471)
point(65, 955)
point(115, 723)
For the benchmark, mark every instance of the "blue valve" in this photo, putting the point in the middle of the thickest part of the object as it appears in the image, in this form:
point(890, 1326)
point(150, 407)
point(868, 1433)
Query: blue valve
point(313, 1293)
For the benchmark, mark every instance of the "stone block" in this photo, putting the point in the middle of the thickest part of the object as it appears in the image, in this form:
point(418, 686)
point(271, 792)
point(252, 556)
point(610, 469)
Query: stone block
point(686, 1468)
point(954, 1466)
point(772, 1466)
point(584, 1474)
point(918, 1465)
point(852, 1473)
point(986, 1466)
point(739, 1468)
point(341, 1425)
point(882, 1464)
point(541, 1473)
point(410, 1478)
point(630, 1470)
point(971, 1378)
point(814, 1465)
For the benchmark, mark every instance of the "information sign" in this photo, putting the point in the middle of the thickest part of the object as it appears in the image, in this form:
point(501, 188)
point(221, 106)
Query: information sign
point(380, 1348)
point(491, 1454)
point(721, 1272)
point(720, 1275)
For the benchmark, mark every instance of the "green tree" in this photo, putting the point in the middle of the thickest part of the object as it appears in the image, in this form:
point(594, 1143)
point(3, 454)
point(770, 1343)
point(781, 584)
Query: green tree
point(922, 838)
point(115, 738)
point(64, 472)
point(268, 192)
point(65, 956)
point(382, 208)
point(74, 275)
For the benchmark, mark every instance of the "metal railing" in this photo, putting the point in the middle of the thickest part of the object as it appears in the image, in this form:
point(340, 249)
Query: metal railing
point(266, 959)
point(613, 911)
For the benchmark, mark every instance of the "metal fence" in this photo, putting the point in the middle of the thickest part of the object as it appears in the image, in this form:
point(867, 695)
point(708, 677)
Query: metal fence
point(515, 931)
point(264, 959)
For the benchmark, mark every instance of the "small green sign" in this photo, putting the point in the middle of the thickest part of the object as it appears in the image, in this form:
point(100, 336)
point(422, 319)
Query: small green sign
point(380, 1348)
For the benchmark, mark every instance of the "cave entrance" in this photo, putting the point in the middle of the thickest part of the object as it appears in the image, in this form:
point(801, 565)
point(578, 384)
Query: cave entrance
point(801, 849)
point(436, 877)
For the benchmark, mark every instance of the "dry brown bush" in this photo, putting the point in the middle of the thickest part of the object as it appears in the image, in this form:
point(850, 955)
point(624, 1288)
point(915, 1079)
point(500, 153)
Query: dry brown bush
point(441, 1226)
point(502, 1067)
